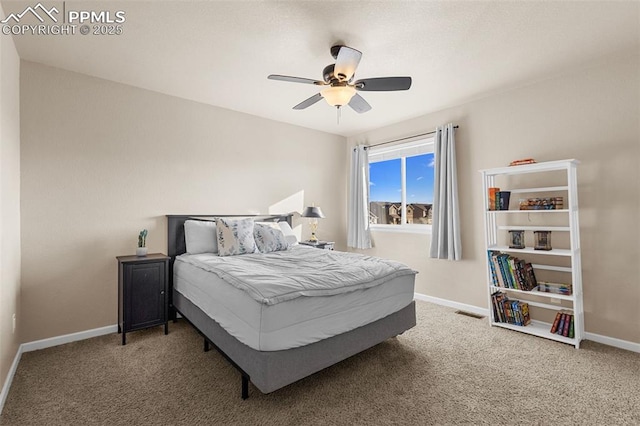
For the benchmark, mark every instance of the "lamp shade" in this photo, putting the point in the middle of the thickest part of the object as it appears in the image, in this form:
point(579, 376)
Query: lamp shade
point(312, 212)
point(339, 95)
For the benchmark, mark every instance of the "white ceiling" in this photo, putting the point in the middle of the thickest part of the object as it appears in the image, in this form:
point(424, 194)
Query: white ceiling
point(220, 53)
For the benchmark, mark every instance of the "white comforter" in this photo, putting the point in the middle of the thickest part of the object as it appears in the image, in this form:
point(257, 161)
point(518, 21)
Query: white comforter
point(271, 278)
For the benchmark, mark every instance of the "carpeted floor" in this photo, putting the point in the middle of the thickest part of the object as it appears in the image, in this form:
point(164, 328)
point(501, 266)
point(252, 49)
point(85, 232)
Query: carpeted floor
point(450, 369)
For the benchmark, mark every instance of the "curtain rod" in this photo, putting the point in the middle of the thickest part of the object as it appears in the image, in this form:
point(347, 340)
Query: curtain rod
point(405, 138)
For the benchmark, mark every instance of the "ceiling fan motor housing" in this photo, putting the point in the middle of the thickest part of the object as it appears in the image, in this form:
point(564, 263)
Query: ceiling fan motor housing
point(329, 76)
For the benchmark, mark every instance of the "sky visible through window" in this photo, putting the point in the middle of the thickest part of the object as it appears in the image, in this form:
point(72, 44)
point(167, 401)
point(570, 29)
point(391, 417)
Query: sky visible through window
point(385, 180)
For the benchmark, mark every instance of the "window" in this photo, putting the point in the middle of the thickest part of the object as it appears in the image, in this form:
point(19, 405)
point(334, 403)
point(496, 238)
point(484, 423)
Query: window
point(401, 186)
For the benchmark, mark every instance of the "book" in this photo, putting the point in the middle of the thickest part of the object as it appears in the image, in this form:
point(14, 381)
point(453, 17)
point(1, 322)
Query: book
point(571, 328)
point(498, 298)
point(522, 161)
point(565, 330)
point(557, 288)
point(504, 266)
point(556, 322)
point(493, 198)
point(492, 267)
point(502, 200)
point(532, 282)
point(563, 318)
point(496, 265)
point(525, 314)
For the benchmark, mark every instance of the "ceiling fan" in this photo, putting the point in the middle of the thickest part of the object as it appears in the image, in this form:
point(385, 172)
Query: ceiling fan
point(338, 79)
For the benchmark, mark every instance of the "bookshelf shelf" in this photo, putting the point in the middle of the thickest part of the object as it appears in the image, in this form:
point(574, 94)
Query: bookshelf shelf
point(512, 264)
point(531, 250)
point(537, 293)
point(543, 189)
point(540, 329)
point(536, 228)
point(528, 211)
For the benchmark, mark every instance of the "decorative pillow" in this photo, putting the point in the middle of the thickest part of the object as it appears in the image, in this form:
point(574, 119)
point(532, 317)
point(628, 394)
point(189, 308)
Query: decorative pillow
point(288, 233)
point(235, 236)
point(269, 237)
point(200, 236)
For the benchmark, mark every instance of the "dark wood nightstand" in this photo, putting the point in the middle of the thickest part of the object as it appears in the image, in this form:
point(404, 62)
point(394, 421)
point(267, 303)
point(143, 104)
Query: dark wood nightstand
point(143, 287)
point(325, 245)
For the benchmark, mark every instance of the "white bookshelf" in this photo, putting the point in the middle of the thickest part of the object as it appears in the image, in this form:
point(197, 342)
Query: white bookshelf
point(499, 222)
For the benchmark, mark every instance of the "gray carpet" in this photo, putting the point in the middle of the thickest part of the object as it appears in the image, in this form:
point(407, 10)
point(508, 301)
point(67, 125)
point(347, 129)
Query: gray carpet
point(450, 369)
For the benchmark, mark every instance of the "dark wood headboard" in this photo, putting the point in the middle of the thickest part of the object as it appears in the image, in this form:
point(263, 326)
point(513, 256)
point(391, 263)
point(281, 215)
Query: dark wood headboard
point(176, 244)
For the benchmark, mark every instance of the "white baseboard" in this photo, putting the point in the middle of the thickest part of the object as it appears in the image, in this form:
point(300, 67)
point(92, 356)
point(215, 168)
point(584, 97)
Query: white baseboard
point(605, 340)
point(9, 379)
point(47, 343)
point(451, 304)
point(612, 341)
point(68, 338)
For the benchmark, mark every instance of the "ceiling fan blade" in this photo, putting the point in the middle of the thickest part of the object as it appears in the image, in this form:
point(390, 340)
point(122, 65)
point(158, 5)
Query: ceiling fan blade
point(383, 84)
point(358, 104)
point(308, 102)
point(295, 79)
point(346, 63)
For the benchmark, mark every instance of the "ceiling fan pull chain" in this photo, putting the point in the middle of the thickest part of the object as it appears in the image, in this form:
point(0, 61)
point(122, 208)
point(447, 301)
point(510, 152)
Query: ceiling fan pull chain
point(338, 108)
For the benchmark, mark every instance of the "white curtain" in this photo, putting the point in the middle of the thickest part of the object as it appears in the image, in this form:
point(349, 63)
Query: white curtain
point(445, 236)
point(358, 235)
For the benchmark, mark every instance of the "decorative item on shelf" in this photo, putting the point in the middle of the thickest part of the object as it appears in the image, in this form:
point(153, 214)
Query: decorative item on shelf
point(493, 199)
point(314, 213)
point(516, 239)
point(503, 200)
point(521, 162)
point(551, 203)
point(142, 243)
point(542, 240)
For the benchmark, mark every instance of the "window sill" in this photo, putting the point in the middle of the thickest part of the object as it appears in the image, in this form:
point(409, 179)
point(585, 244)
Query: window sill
point(402, 229)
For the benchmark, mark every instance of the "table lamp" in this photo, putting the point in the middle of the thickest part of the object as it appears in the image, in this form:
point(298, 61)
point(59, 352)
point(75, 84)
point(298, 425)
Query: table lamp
point(314, 213)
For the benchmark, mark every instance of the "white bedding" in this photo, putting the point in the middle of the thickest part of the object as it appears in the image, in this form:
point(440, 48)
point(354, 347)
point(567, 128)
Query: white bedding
point(291, 322)
point(272, 278)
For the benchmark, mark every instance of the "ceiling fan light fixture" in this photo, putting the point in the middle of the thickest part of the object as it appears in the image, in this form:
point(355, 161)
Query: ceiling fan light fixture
point(338, 95)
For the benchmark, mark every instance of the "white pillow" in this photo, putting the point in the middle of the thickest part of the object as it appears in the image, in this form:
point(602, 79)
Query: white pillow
point(200, 236)
point(288, 233)
point(269, 237)
point(235, 236)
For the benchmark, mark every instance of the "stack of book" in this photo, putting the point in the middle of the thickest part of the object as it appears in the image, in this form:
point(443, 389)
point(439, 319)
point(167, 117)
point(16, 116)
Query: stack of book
point(510, 272)
point(494, 199)
point(563, 324)
point(510, 311)
point(499, 200)
point(556, 288)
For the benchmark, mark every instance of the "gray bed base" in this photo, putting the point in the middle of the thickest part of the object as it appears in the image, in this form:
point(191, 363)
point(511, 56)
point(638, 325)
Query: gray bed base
point(272, 370)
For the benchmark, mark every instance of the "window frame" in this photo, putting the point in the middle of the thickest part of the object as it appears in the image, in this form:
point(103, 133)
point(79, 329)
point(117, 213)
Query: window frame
point(403, 227)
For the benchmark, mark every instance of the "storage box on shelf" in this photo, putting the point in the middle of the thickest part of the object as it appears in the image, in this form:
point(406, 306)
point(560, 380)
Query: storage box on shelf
point(561, 217)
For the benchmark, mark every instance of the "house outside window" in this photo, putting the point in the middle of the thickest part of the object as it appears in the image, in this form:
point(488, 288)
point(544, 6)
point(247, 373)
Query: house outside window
point(401, 186)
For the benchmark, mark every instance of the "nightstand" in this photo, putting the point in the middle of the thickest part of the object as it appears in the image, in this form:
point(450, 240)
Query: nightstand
point(325, 245)
point(143, 287)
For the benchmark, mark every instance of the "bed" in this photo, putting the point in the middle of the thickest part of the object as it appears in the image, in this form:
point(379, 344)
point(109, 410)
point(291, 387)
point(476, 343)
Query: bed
point(279, 329)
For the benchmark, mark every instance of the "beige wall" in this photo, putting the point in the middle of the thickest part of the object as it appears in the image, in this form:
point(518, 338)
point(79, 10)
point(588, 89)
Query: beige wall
point(591, 114)
point(101, 161)
point(9, 202)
